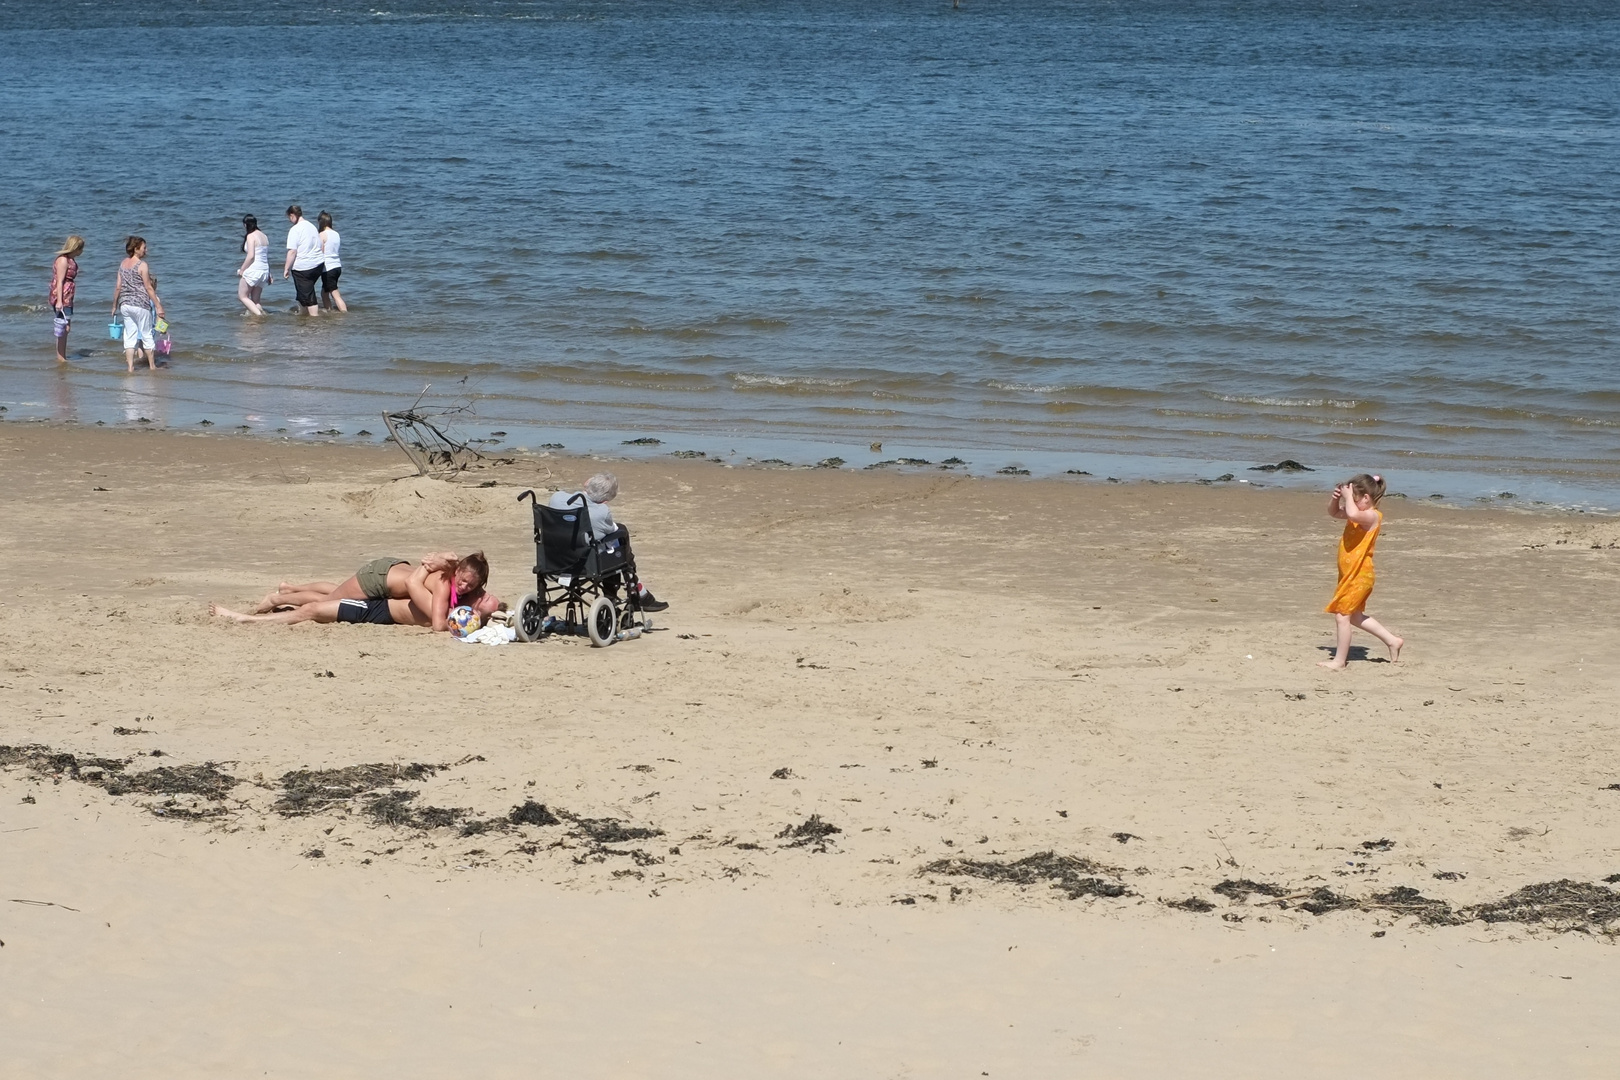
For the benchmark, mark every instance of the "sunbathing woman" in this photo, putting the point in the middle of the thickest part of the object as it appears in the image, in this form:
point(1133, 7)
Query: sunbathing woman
point(427, 593)
point(379, 579)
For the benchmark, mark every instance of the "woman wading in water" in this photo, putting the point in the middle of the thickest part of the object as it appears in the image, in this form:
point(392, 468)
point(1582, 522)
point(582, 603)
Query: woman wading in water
point(64, 274)
point(255, 268)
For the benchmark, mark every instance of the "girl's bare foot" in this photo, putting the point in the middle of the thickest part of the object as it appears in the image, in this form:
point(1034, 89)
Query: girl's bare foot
point(1395, 650)
point(269, 603)
point(1332, 665)
point(227, 613)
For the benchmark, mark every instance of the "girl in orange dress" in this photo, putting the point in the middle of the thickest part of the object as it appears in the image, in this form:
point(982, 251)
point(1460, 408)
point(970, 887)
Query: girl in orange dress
point(1356, 502)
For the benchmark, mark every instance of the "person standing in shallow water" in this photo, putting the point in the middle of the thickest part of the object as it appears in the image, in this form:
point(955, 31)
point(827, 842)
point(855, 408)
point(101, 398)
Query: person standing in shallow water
point(135, 297)
point(331, 245)
point(1356, 503)
point(304, 263)
point(255, 268)
point(64, 275)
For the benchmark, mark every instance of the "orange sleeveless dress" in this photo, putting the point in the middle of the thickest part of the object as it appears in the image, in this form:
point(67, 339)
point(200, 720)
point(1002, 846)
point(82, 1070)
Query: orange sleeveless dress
point(1355, 568)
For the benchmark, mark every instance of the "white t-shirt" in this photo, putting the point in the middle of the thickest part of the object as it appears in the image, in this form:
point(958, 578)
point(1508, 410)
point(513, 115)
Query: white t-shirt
point(331, 248)
point(306, 241)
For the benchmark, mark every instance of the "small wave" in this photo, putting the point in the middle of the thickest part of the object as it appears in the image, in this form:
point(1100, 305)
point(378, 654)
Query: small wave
point(1286, 403)
point(790, 382)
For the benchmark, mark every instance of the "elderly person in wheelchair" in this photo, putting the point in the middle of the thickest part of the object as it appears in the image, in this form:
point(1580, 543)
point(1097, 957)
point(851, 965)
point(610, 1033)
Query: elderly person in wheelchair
point(584, 566)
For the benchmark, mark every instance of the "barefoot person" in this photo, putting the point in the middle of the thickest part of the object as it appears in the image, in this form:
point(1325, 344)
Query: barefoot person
point(1356, 503)
point(331, 246)
point(255, 268)
point(386, 592)
point(135, 298)
point(449, 581)
point(304, 261)
point(64, 274)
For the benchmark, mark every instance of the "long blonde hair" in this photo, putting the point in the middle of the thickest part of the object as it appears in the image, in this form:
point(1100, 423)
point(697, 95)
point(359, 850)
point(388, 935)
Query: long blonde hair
point(71, 247)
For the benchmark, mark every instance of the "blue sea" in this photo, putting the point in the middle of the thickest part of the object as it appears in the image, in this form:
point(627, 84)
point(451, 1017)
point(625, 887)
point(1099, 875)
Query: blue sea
point(1159, 239)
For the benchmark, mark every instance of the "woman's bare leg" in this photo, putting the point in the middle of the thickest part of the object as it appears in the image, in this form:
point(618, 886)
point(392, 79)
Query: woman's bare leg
point(129, 359)
point(1361, 620)
point(244, 293)
point(296, 597)
point(1341, 655)
point(61, 349)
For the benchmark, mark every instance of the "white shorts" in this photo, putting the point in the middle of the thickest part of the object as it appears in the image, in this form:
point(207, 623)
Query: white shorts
point(137, 326)
point(256, 275)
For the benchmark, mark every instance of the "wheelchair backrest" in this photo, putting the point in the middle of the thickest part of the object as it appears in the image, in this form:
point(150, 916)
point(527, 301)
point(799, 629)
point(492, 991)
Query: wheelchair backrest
point(565, 537)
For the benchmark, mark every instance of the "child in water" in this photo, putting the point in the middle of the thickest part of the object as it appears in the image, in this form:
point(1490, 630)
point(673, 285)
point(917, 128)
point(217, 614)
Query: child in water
point(1356, 501)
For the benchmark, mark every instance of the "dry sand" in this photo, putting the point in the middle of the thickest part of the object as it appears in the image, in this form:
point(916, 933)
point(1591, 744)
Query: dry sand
point(957, 674)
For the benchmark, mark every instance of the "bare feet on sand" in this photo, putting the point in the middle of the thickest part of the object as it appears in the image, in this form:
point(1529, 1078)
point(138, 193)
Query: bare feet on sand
point(227, 613)
point(1332, 665)
point(1395, 650)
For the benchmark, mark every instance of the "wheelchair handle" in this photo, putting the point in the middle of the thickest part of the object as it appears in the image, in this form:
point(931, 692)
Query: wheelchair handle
point(527, 495)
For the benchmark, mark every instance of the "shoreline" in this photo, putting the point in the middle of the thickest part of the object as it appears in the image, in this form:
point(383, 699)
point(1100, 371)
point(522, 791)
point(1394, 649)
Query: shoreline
point(900, 722)
point(898, 460)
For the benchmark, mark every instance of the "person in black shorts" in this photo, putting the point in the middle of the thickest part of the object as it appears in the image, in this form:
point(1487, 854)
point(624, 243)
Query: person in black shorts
point(305, 259)
point(378, 612)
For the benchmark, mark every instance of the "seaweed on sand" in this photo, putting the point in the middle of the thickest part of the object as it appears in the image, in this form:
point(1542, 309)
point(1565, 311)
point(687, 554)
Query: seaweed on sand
point(394, 808)
point(1192, 903)
point(309, 791)
point(204, 780)
point(532, 813)
point(1563, 905)
point(611, 830)
point(1243, 888)
point(1404, 900)
point(1322, 900)
point(812, 832)
point(47, 762)
point(1075, 876)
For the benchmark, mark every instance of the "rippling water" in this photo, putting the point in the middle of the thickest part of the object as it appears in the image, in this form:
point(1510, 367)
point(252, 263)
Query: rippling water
point(1152, 239)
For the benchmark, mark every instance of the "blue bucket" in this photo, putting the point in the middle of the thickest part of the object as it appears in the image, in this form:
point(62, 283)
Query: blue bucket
point(115, 330)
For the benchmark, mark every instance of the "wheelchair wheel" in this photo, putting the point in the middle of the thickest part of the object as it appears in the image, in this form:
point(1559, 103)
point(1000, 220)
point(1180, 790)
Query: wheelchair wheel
point(530, 613)
point(603, 622)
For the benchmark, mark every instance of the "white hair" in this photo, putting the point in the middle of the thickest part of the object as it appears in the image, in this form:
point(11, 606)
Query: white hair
point(602, 487)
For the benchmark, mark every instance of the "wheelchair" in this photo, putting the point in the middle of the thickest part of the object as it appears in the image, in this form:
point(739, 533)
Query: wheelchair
point(594, 588)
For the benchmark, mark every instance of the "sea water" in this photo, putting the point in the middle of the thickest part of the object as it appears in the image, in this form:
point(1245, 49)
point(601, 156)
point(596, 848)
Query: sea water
point(1147, 239)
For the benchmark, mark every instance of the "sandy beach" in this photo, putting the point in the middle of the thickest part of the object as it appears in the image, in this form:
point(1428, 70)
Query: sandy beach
point(922, 775)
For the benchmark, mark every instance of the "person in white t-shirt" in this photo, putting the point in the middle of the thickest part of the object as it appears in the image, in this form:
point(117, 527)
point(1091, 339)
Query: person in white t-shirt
point(331, 244)
point(305, 262)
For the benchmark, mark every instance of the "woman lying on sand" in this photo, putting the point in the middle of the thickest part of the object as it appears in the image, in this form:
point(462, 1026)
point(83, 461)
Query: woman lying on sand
point(384, 579)
point(384, 591)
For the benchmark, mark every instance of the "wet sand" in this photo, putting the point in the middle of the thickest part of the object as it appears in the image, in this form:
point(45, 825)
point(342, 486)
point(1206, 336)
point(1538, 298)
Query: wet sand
point(958, 676)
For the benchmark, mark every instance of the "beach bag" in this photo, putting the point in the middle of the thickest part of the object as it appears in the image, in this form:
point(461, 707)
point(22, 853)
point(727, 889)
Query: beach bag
point(164, 344)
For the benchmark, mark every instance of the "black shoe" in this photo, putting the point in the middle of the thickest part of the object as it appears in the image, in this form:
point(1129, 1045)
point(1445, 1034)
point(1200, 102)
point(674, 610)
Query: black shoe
point(646, 601)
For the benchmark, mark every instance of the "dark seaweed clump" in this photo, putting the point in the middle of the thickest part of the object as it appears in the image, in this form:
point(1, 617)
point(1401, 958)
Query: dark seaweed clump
point(812, 832)
point(1404, 900)
point(1076, 877)
point(1323, 900)
point(1192, 903)
point(1564, 904)
point(395, 808)
point(1243, 888)
point(532, 813)
point(204, 780)
point(612, 830)
point(309, 791)
point(47, 762)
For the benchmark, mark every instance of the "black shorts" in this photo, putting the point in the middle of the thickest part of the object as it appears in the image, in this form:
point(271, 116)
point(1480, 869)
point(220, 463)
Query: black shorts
point(365, 611)
point(329, 279)
point(304, 284)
